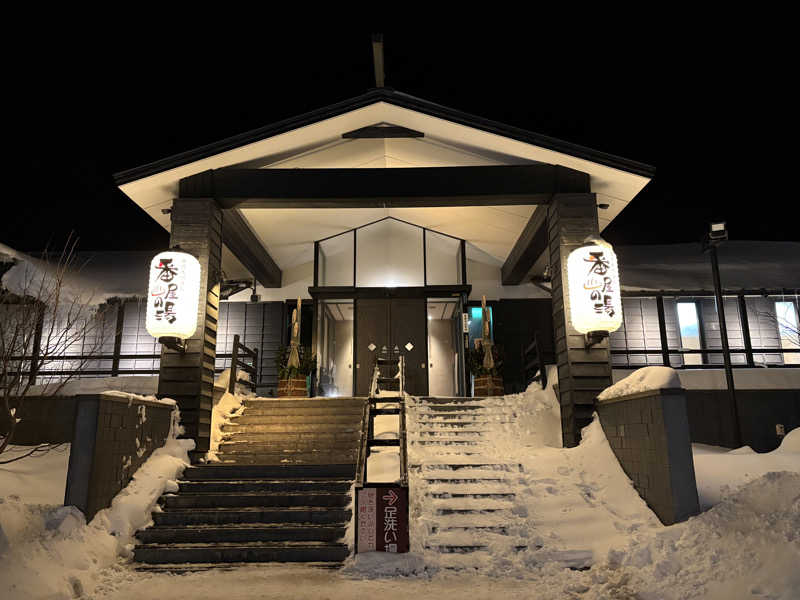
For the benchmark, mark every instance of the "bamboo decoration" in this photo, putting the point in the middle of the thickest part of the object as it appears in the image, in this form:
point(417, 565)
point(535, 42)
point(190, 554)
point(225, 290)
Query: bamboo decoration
point(488, 359)
point(294, 350)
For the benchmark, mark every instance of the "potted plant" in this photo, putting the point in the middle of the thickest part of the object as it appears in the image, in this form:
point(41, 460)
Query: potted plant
point(293, 380)
point(295, 363)
point(485, 361)
point(488, 381)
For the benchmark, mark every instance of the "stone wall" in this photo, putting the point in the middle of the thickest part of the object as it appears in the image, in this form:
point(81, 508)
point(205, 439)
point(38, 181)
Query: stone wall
point(649, 434)
point(113, 436)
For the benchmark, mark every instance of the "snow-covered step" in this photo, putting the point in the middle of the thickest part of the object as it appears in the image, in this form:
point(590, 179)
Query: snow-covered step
point(443, 425)
point(473, 540)
point(458, 434)
point(470, 488)
point(470, 521)
point(450, 407)
point(472, 504)
point(448, 442)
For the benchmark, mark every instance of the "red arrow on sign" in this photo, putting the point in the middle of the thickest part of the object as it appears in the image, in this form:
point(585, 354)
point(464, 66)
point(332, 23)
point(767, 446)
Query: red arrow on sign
point(391, 497)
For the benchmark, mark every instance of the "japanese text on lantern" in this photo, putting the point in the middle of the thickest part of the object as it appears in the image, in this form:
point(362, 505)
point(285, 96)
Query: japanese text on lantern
point(165, 293)
point(599, 283)
point(173, 295)
point(594, 291)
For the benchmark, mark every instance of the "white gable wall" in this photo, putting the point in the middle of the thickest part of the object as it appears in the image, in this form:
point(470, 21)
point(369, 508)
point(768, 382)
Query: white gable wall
point(288, 234)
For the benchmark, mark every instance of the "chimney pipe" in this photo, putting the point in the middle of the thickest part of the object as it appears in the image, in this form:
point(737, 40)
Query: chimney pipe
point(377, 58)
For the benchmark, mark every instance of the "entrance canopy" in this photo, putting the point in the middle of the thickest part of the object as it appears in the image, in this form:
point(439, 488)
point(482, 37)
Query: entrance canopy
point(382, 129)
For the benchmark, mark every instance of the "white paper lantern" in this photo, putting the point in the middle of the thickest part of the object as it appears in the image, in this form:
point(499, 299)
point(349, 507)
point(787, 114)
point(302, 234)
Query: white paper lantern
point(173, 295)
point(594, 292)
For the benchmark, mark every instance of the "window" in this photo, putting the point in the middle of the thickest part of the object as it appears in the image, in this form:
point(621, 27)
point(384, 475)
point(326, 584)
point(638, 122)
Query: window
point(786, 314)
point(690, 332)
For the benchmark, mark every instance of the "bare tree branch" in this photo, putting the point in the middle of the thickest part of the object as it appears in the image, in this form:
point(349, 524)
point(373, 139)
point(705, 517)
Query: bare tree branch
point(44, 323)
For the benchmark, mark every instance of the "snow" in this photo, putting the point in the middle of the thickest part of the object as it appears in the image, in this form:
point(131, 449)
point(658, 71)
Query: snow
point(745, 547)
point(49, 551)
point(642, 380)
point(572, 507)
point(721, 472)
point(759, 378)
point(143, 386)
point(226, 405)
point(38, 479)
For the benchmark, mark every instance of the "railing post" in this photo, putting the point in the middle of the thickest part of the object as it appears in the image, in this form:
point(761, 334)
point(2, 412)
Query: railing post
point(118, 338)
point(234, 358)
point(256, 370)
point(37, 345)
point(748, 343)
point(662, 330)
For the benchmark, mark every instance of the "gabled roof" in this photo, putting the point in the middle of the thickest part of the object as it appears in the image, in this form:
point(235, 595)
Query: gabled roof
point(395, 98)
point(348, 135)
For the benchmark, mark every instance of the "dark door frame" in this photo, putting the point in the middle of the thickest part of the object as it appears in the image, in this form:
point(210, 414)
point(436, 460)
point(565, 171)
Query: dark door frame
point(355, 293)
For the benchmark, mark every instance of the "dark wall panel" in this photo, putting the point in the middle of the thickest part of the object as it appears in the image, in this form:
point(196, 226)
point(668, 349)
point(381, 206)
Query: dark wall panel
point(515, 323)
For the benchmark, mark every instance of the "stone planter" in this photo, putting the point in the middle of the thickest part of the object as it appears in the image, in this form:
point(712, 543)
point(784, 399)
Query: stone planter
point(488, 385)
point(292, 388)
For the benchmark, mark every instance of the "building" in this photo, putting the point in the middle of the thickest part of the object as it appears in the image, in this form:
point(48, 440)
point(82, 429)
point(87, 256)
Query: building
point(391, 217)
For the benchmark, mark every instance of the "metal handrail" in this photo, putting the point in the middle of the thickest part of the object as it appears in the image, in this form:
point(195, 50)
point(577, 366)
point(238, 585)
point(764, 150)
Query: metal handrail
point(403, 451)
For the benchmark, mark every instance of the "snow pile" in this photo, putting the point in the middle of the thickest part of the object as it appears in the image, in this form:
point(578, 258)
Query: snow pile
point(642, 380)
point(383, 463)
point(748, 545)
point(38, 479)
point(226, 405)
point(143, 386)
point(570, 506)
point(721, 472)
point(50, 551)
point(222, 382)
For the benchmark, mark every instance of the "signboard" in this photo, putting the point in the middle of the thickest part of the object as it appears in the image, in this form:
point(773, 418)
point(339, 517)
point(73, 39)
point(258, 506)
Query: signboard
point(382, 520)
point(464, 323)
point(594, 291)
point(173, 295)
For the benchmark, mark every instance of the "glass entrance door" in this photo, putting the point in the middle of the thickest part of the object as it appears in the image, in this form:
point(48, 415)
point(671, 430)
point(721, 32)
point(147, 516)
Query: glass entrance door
point(444, 346)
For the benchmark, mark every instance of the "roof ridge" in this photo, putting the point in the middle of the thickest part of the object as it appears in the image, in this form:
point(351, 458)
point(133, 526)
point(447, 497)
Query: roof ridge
point(393, 97)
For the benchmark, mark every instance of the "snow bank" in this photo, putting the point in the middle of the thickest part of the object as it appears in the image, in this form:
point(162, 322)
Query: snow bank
point(746, 546)
point(143, 386)
point(226, 405)
point(642, 380)
point(51, 552)
point(37, 479)
point(721, 472)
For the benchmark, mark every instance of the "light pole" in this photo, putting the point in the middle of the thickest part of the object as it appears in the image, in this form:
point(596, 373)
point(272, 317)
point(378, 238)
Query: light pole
point(717, 234)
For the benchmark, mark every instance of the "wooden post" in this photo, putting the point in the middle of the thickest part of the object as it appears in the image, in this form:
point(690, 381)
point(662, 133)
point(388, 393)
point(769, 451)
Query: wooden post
point(233, 375)
point(188, 377)
point(582, 372)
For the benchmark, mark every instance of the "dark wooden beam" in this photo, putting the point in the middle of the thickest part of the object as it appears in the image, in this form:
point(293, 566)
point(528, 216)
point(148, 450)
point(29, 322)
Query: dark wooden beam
point(245, 245)
point(365, 188)
point(382, 132)
point(532, 243)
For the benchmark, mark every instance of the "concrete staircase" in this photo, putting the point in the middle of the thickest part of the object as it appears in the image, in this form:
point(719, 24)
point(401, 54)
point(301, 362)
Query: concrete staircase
point(467, 492)
point(280, 493)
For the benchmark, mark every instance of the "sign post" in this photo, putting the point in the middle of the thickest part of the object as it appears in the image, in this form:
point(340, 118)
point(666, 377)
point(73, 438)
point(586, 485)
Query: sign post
point(382, 519)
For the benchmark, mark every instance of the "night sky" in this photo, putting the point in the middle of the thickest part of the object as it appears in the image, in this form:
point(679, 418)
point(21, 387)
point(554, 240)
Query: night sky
point(701, 116)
